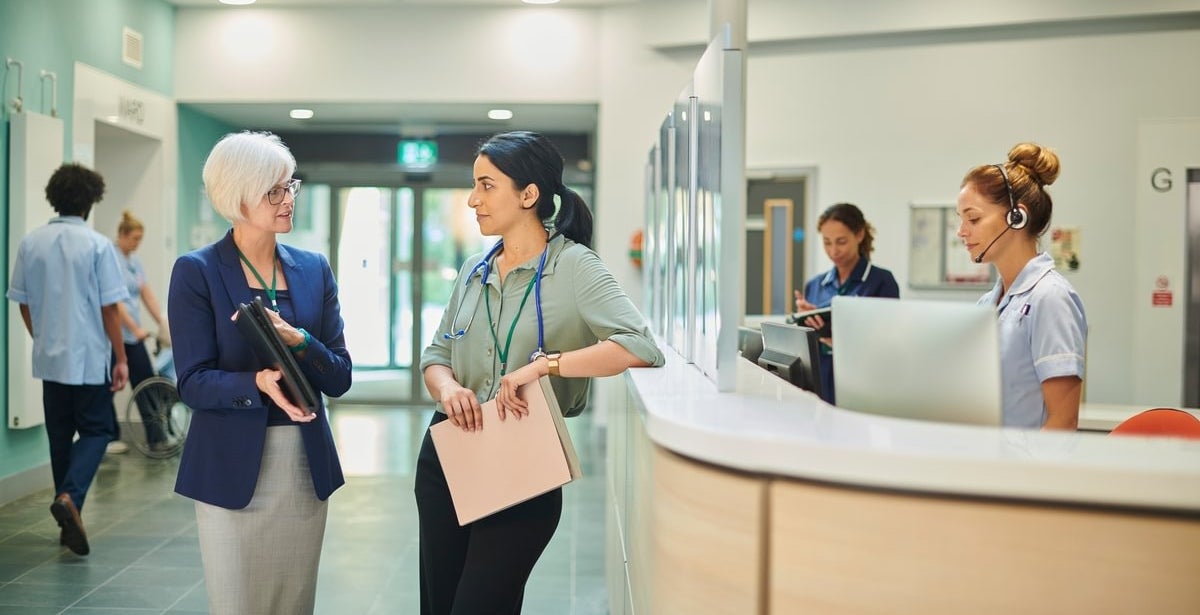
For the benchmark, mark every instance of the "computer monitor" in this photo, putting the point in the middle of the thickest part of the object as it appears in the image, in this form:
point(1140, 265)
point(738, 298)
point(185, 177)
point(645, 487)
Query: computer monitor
point(926, 360)
point(790, 352)
point(750, 343)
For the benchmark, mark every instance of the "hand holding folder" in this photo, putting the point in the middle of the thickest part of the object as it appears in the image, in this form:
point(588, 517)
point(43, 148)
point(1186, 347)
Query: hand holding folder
point(255, 324)
point(510, 461)
point(825, 314)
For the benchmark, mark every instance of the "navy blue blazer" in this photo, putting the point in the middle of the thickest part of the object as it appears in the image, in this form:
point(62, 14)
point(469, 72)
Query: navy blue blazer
point(216, 369)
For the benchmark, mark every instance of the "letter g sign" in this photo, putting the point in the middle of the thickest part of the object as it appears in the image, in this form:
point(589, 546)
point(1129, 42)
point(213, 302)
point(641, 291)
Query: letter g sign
point(1160, 179)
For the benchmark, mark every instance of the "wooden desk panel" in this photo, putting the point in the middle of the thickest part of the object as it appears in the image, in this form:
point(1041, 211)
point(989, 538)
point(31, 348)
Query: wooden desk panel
point(708, 538)
point(837, 550)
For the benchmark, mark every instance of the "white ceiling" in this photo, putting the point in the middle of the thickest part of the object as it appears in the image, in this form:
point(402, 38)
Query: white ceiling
point(415, 119)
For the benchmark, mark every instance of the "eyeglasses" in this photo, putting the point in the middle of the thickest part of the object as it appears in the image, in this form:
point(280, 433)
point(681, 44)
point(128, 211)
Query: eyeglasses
point(276, 195)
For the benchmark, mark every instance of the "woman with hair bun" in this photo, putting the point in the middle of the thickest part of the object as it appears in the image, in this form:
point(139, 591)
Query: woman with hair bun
point(1004, 209)
point(130, 232)
point(849, 240)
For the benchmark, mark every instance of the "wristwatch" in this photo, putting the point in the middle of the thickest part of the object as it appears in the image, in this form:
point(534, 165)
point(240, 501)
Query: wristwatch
point(552, 358)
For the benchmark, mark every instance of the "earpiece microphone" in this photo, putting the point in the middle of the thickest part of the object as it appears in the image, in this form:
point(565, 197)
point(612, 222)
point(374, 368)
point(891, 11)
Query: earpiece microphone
point(979, 259)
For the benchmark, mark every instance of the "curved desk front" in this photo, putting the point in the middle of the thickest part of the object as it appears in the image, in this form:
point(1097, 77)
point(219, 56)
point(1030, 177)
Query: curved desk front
point(768, 501)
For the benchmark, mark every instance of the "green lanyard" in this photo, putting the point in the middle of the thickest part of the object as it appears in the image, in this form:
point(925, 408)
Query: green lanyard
point(271, 290)
point(503, 352)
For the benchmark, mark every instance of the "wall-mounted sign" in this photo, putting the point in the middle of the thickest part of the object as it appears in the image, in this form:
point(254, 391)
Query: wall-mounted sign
point(1160, 179)
point(131, 110)
point(417, 153)
point(1162, 295)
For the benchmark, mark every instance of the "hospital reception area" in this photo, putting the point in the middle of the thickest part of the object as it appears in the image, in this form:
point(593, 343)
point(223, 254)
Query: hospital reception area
point(874, 307)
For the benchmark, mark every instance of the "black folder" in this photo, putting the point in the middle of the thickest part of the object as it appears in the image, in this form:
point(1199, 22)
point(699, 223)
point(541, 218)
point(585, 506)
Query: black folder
point(254, 323)
point(825, 313)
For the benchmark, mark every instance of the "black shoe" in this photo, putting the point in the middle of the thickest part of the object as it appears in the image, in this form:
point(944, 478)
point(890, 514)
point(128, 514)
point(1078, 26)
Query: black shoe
point(73, 535)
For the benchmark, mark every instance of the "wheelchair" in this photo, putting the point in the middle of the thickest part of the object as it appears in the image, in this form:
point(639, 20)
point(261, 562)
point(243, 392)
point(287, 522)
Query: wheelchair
point(158, 420)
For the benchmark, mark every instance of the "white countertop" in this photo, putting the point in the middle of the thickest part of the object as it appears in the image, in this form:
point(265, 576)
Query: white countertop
point(769, 426)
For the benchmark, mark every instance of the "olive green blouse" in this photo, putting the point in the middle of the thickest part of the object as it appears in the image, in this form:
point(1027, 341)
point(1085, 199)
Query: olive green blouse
point(581, 305)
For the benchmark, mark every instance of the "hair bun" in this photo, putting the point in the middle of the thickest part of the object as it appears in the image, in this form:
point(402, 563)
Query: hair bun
point(1040, 163)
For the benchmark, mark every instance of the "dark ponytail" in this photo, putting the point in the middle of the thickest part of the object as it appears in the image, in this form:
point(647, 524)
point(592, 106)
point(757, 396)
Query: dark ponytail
point(530, 158)
point(574, 219)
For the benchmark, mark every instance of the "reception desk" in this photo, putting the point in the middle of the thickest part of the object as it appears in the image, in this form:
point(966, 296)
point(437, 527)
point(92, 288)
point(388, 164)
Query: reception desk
point(768, 500)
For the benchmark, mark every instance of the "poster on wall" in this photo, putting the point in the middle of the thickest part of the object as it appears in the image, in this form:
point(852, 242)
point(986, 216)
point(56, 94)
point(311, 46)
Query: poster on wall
point(1064, 248)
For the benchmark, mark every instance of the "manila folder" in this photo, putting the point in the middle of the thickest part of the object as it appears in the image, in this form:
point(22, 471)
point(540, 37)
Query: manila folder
point(509, 461)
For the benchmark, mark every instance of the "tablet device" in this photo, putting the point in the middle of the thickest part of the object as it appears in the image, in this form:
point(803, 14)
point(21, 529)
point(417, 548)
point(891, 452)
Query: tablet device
point(255, 325)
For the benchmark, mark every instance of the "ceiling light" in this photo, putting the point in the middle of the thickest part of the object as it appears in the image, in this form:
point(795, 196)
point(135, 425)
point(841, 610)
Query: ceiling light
point(540, 1)
point(301, 114)
point(237, 2)
point(500, 114)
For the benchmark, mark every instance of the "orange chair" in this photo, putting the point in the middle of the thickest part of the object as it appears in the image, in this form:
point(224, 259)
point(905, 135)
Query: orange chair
point(1160, 422)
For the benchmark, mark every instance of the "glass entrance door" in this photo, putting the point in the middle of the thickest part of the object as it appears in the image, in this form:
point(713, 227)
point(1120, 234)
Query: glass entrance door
point(450, 236)
point(392, 255)
point(373, 260)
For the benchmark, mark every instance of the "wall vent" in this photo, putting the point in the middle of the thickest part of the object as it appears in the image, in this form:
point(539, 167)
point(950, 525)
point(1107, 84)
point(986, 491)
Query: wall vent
point(131, 47)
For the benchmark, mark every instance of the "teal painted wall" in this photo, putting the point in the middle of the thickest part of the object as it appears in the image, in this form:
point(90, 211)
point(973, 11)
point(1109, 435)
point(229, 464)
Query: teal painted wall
point(198, 133)
point(52, 35)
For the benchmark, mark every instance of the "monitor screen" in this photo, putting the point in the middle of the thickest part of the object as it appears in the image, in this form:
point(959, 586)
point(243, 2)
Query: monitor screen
point(790, 352)
point(750, 343)
point(926, 360)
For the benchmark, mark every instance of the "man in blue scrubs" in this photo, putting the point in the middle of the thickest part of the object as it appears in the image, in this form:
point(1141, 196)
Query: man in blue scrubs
point(68, 283)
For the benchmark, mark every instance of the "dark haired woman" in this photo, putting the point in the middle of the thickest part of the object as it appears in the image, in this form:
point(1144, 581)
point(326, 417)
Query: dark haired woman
point(539, 303)
point(848, 239)
point(1043, 328)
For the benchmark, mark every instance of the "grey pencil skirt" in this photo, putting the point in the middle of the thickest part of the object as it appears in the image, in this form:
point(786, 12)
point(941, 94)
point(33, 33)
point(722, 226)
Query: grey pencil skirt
point(263, 559)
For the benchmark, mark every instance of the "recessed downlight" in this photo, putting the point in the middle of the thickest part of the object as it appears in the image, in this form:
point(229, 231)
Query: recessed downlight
point(301, 114)
point(500, 114)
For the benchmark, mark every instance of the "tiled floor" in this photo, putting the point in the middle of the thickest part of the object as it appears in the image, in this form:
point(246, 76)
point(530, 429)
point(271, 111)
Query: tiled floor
point(145, 557)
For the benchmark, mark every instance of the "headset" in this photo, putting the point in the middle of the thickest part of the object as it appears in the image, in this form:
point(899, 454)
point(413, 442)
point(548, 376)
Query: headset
point(1015, 218)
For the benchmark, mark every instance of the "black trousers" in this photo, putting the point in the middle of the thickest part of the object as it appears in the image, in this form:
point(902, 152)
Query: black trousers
point(86, 410)
point(480, 568)
point(140, 369)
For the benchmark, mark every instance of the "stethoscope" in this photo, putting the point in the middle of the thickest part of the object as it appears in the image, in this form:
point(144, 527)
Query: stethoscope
point(486, 266)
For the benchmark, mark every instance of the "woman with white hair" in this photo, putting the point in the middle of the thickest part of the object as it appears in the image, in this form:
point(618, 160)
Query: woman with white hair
point(259, 467)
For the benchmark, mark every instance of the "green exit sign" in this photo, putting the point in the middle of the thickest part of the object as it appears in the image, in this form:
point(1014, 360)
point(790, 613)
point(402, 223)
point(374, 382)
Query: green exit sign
point(417, 153)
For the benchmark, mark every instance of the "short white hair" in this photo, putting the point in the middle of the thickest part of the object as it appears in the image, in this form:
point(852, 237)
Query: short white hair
point(241, 168)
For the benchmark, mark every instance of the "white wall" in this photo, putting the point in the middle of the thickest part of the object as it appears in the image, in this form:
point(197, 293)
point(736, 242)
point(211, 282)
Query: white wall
point(412, 54)
point(899, 124)
point(144, 168)
point(1161, 227)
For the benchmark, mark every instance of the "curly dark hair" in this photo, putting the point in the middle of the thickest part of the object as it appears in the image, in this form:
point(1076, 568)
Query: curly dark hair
point(74, 189)
point(852, 217)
